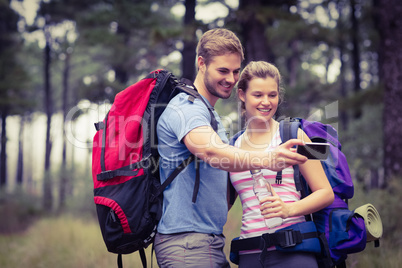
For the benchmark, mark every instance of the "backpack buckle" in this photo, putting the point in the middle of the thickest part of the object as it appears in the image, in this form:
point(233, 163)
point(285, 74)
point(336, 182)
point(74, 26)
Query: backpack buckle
point(289, 238)
point(99, 125)
point(105, 175)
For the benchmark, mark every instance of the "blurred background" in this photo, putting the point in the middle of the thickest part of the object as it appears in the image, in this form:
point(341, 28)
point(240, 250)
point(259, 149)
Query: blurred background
point(63, 61)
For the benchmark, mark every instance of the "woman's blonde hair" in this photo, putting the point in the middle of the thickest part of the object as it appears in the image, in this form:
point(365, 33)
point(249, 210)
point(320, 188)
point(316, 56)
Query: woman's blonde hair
point(218, 42)
point(259, 69)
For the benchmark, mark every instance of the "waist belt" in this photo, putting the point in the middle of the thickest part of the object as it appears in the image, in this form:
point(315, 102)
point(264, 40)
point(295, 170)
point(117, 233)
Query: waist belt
point(283, 238)
point(302, 237)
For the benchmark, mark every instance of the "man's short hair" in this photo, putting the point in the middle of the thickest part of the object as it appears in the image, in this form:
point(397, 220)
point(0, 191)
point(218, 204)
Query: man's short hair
point(218, 42)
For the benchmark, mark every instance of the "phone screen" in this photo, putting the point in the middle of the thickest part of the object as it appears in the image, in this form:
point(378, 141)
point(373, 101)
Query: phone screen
point(314, 150)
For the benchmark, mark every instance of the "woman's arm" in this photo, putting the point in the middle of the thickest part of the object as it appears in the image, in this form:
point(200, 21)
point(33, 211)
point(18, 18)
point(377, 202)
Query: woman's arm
point(321, 195)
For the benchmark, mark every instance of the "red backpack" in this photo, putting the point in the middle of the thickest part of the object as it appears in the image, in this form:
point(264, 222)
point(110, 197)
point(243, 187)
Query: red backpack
point(125, 163)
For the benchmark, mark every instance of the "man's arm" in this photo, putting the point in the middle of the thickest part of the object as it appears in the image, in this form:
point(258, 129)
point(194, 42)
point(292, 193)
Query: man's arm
point(205, 143)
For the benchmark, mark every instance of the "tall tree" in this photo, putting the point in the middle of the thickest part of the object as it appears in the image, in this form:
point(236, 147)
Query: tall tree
point(256, 17)
point(343, 116)
point(20, 160)
point(64, 182)
point(254, 23)
point(12, 77)
point(189, 41)
point(48, 104)
point(355, 52)
point(389, 25)
point(3, 155)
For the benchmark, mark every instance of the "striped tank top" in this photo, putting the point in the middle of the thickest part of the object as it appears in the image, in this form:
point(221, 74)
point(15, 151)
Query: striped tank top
point(252, 221)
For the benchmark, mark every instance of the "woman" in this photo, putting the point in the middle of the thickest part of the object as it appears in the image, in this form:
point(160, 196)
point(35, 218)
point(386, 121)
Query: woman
point(260, 93)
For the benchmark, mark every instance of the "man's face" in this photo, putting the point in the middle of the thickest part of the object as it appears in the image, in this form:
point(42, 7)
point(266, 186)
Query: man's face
point(222, 74)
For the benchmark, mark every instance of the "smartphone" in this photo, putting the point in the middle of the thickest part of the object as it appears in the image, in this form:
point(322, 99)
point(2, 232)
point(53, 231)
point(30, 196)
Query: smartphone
point(314, 150)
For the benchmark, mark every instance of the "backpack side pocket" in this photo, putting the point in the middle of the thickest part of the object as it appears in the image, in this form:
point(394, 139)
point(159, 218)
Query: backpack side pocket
point(347, 232)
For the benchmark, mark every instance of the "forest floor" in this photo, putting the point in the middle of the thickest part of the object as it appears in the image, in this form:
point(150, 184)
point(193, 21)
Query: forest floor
point(29, 238)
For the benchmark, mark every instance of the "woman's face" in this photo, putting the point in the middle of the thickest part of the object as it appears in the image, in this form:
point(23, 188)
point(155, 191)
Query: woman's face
point(261, 99)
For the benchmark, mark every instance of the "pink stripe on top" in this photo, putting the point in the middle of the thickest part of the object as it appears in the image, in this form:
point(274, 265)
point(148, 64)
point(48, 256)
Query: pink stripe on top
point(252, 221)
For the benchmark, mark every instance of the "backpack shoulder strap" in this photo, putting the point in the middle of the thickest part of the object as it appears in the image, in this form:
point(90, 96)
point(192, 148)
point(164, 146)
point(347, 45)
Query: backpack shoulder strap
point(174, 174)
point(288, 129)
point(235, 137)
point(187, 86)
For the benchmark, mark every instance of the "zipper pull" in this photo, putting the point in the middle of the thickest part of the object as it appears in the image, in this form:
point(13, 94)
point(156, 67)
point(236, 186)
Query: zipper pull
point(113, 215)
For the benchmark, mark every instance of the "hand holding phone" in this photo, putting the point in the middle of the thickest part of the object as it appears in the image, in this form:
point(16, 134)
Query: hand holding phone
point(314, 150)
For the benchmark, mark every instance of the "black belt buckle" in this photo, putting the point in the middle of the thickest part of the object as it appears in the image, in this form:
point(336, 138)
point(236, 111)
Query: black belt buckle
point(290, 238)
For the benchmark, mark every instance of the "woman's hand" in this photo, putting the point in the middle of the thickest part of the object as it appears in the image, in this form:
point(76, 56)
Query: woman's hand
point(273, 206)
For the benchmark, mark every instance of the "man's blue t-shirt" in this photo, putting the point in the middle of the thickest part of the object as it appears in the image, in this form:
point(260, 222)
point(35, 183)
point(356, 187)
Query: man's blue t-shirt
point(209, 213)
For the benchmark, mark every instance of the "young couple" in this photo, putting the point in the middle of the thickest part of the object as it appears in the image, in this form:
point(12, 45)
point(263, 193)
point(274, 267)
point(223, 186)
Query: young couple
point(190, 234)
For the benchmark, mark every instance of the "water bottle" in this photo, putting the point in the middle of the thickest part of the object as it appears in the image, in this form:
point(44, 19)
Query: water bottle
point(262, 188)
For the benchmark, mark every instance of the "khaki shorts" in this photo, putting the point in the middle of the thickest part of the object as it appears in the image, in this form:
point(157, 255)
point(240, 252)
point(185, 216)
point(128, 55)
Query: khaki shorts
point(190, 250)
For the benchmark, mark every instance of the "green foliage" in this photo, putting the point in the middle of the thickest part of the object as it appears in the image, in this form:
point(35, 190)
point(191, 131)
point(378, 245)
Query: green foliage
point(64, 242)
point(32, 86)
point(131, 38)
point(13, 76)
point(18, 211)
point(362, 141)
point(73, 240)
point(81, 201)
point(387, 202)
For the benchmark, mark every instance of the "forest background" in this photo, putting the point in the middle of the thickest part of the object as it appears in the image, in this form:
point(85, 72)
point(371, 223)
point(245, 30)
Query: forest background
point(63, 61)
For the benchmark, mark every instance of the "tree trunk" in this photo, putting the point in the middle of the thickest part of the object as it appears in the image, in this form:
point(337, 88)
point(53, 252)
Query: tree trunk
point(189, 41)
point(343, 116)
point(70, 189)
point(253, 32)
point(293, 63)
point(389, 24)
point(355, 54)
point(3, 155)
point(63, 171)
point(20, 160)
point(29, 156)
point(47, 182)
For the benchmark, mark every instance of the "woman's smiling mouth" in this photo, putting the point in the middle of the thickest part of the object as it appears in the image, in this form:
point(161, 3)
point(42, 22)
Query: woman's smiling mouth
point(264, 110)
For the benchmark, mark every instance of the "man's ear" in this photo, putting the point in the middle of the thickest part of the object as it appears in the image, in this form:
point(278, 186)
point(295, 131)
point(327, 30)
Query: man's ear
point(201, 64)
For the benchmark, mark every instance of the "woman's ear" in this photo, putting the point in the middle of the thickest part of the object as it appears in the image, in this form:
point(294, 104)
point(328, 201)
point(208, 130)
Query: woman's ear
point(241, 94)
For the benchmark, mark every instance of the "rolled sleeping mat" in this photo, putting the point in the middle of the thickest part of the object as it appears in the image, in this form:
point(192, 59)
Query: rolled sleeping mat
point(372, 220)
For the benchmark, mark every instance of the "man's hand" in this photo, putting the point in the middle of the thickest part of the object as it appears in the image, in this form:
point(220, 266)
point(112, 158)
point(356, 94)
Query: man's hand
point(208, 146)
point(284, 156)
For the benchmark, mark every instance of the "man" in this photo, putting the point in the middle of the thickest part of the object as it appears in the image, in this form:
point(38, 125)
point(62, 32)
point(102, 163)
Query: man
point(190, 234)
